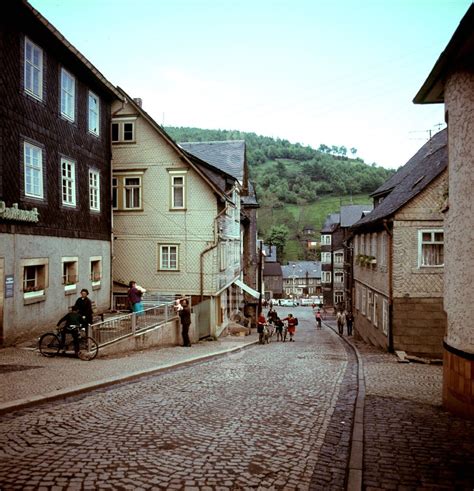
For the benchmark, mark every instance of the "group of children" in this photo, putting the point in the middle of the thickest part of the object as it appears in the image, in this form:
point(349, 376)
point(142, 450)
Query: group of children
point(273, 323)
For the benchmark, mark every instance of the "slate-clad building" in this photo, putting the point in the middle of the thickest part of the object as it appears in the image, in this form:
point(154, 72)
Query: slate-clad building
point(55, 214)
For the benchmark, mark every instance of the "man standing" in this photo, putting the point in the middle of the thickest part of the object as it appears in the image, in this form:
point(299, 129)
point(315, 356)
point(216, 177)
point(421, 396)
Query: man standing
point(185, 317)
point(84, 308)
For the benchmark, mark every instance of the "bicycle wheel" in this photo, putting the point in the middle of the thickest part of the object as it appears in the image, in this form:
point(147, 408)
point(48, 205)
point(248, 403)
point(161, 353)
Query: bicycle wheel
point(88, 349)
point(49, 344)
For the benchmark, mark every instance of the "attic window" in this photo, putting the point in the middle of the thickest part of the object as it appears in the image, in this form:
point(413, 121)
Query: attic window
point(418, 181)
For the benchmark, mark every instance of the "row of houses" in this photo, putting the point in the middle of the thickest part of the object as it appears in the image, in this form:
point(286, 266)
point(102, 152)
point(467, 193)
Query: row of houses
point(94, 193)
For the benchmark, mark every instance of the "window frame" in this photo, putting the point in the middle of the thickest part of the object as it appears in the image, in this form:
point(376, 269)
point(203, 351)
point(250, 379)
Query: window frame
point(34, 169)
point(375, 316)
point(127, 187)
point(90, 111)
point(115, 193)
point(385, 316)
point(37, 292)
point(337, 274)
point(338, 255)
point(70, 201)
point(94, 190)
point(324, 257)
point(326, 274)
point(326, 239)
point(28, 81)
point(95, 271)
point(421, 242)
point(173, 187)
point(65, 96)
point(121, 122)
point(161, 265)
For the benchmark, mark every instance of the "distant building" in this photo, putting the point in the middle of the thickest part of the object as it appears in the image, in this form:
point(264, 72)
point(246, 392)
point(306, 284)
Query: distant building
point(302, 279)
point(273, 279)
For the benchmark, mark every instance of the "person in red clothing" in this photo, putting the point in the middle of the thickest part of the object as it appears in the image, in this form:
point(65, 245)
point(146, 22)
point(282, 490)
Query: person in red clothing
point(292, 323)
point(261, 321)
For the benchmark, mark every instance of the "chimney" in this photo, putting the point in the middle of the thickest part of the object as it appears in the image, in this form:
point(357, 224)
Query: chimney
point(138, 101)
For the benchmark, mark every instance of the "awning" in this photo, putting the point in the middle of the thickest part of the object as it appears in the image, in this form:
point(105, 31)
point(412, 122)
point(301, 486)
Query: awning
point(247, 288)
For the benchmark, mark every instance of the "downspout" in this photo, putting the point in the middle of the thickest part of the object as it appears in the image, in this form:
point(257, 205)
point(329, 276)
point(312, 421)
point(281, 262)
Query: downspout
point(207, 249)
point(390, 286)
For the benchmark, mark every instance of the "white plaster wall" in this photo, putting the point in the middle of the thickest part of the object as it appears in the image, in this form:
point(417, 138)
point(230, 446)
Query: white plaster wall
point(25, 321)
point(459, 220)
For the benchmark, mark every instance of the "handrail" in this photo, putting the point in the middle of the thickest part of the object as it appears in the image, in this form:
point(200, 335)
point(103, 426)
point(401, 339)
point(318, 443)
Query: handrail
point(117, 328)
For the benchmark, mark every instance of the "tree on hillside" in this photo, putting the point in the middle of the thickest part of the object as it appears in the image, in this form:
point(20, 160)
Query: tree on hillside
point(278, 236)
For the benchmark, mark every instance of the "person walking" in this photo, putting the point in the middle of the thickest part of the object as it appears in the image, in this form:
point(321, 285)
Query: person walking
point(292, 323)
point(135, 297)
point(185, 318)
point(318, 319)
point(349, 323)
point(261, 327)
point(83, 307)
point(341, 320)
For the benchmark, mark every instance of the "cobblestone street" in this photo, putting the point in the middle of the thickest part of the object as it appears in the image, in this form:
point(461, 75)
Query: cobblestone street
point(260, 418)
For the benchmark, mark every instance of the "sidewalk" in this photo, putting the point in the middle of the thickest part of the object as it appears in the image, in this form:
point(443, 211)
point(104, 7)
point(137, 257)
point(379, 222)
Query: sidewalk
point(409, 440)
point(29, 378)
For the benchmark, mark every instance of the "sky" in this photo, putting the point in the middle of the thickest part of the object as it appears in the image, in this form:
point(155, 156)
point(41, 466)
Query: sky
point(332, 72)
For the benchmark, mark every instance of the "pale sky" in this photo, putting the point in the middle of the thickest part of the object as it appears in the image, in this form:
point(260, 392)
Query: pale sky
point(337, 72)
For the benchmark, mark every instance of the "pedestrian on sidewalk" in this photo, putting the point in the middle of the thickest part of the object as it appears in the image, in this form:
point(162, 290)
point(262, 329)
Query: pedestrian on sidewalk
point(349, 323)
point(135, 294)
point(318, 319)
point(279, 329)
point(83, 307)
point(185, 318)
point(341, 320)
point(261, 321)
point(292, 323)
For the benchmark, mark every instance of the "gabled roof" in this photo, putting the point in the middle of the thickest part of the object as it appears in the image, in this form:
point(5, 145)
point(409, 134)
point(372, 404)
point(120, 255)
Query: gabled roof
point(427, 164)
point(301, 269)
point(250, 199)
point(458, 54)
point(228, 156)
point(352, 213)
point(331, 223)
point(215, 177)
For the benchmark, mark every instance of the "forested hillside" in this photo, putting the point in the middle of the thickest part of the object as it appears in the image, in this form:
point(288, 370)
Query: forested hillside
point(297, 186)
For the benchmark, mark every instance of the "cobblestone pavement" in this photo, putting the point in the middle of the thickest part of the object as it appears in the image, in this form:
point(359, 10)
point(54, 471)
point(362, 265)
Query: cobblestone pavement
point(262, 418)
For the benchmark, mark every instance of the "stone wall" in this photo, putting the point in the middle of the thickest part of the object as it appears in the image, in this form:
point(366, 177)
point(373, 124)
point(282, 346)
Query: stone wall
point(419, 325)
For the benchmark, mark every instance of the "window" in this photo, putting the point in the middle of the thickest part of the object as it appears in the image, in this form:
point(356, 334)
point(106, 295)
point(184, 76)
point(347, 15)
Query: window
point(356, 245)
point(169, 257)
point(94, 114)
point(223, 255)
point(383, 250)
point(326, 276)
point(33, 70)
point(70, 277)
point(364, 300)
point(325, 240)
point(68, 182)
point(68, 89)
point(370, 301)
point(94, 190)
point(430, 248)
point(326, 257)
point(362, 244)
point(385, 316)
point(114, 193)
point(375, 318)
point(358, 297)
point(33, 161)
point(35, 275)
point(178, 191)
point(338, 277)
point(123, 131)
point(338, 297)
point(132, 193)
point(95, 271)
point(373, 245)
point(339, 258)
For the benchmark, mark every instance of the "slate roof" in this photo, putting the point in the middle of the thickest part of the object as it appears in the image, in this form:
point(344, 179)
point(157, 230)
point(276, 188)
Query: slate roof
point(228, 156)
point(313, 268)
point(272, 269)
point(427, 164)
point(352, 213)
point(331, 222)
point(270, 253)
point(250, 199)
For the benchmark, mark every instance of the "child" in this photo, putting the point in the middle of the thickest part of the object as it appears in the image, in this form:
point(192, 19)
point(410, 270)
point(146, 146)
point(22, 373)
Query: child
point(292, 322)
point(279, 329)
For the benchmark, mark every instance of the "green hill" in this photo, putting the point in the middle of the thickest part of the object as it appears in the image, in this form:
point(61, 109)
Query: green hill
point(297, 185)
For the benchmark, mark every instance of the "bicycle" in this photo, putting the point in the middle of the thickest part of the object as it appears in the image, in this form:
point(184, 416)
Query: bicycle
point(49, 344)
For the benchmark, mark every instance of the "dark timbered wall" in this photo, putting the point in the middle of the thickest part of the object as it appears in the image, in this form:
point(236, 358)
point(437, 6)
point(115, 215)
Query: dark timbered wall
point(24, 118)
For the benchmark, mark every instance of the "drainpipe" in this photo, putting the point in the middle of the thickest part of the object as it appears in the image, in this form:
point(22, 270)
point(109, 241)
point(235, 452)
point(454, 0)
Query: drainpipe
point(390, 285)
point(214, 244)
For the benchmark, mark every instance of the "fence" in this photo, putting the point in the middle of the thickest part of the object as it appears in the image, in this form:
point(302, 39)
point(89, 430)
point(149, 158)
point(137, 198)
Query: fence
point(126, 325)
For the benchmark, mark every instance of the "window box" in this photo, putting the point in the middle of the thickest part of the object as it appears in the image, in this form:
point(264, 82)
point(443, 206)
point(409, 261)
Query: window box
point(70, 287)
point(33, 294)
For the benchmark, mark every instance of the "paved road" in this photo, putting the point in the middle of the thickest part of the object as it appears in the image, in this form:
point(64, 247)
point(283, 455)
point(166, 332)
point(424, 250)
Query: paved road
point(270, 417)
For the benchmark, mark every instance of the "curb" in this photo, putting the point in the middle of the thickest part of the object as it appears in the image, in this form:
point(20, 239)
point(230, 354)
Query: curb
point(356, 457)
point(18, 404)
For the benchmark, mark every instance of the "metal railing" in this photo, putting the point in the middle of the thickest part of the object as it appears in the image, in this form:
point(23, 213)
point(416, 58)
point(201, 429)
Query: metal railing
point(127, 325)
